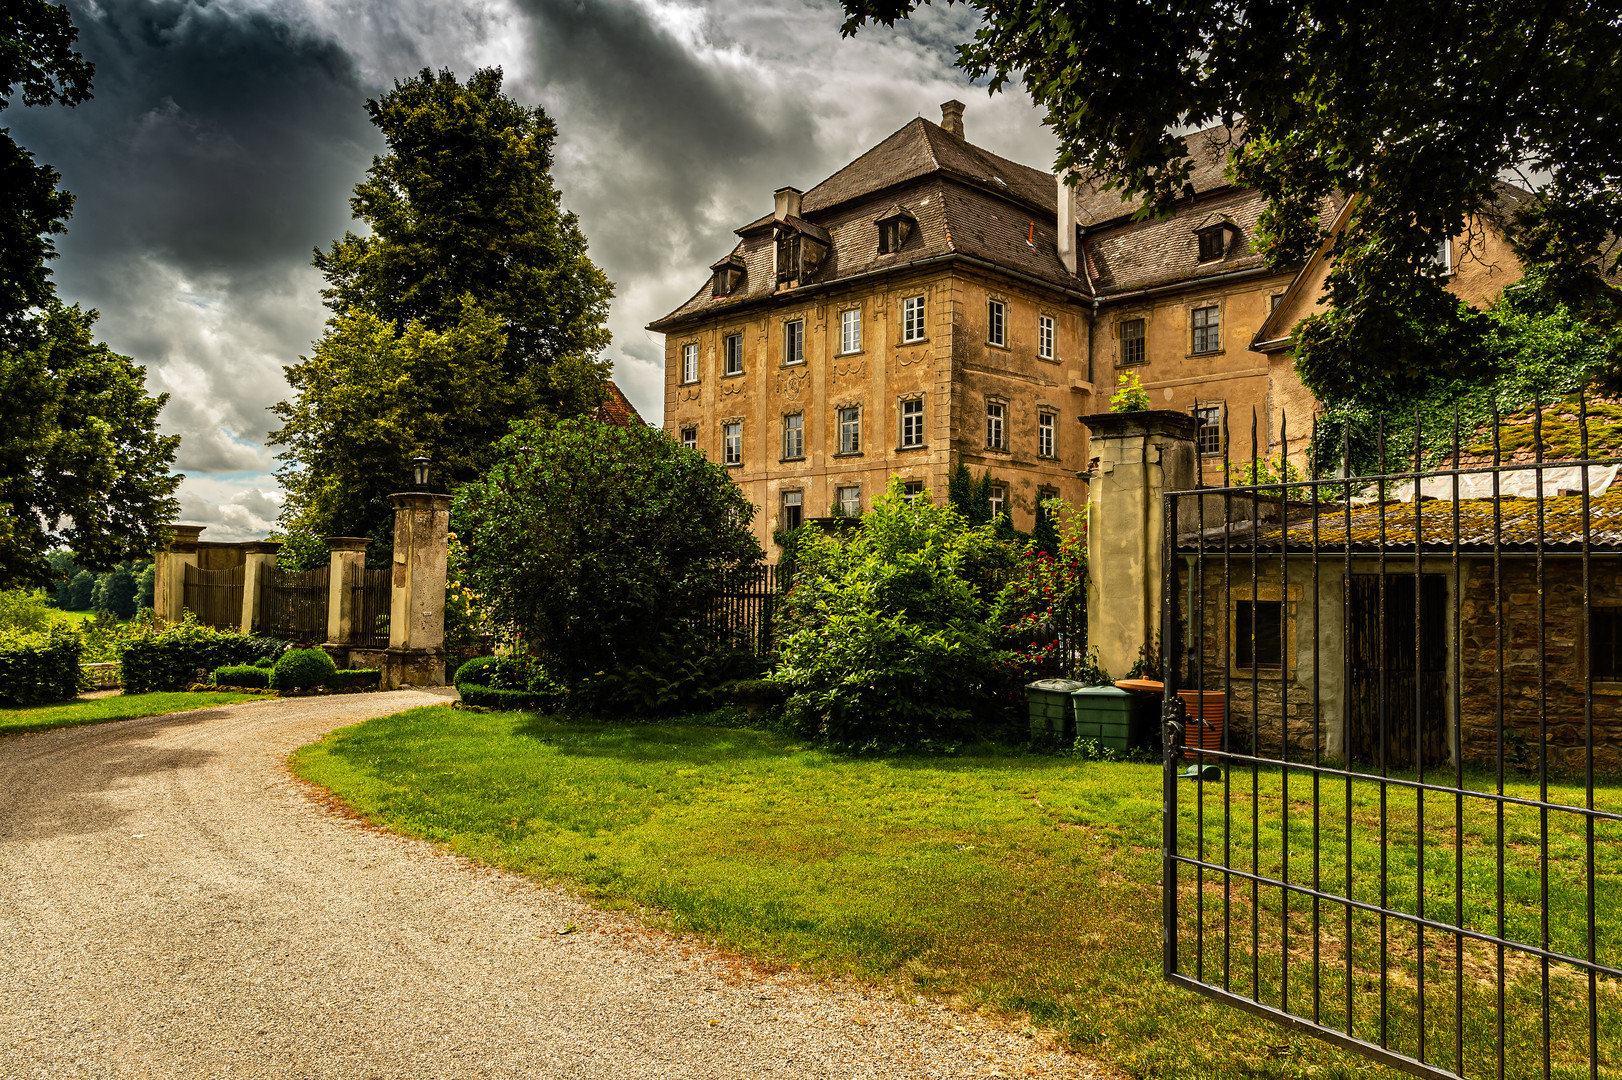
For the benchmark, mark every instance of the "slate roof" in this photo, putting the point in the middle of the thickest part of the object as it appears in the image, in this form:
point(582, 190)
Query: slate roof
point(972, 203)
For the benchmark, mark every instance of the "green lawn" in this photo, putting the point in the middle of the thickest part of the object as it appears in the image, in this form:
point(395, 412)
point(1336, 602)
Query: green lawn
point(1021, 882)
point(103, 710)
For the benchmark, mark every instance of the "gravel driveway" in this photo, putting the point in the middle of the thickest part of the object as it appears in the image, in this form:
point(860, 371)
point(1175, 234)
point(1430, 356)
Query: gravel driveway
point(172, 903)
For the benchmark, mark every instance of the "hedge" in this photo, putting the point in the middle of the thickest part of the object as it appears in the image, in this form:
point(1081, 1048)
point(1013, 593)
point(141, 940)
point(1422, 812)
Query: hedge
point(40, 667)
point(302, 668)
point(485, 697)
point(355, 678)
point(245, 675)
point(167, 657)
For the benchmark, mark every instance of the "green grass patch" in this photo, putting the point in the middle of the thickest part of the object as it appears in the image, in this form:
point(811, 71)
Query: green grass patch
point(1022, 882)
point(106, 709)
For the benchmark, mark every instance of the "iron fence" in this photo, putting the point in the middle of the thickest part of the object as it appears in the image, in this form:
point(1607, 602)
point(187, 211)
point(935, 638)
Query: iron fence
point(214, 596)
point(372, 596)
point(1397, 696)
point(743, 615)
point(293, 604)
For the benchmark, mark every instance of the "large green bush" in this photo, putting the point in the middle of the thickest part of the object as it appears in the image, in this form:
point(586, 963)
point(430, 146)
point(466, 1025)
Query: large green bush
point(39, 667)
point(167, 656)
point(884, 636)
point(606, 545)
point(300, 669)
point(25, 609)
point(508, 682)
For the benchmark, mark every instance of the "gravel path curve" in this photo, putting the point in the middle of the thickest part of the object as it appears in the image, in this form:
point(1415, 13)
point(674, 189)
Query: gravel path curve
point(173, 903)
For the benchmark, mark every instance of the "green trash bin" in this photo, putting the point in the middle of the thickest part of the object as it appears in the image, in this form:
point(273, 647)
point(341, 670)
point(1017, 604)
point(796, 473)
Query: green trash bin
point(1052, 719)
point(1104, 713)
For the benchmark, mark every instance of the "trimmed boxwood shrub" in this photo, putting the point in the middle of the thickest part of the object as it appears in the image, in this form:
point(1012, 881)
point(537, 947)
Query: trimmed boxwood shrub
point(41, 667)
point(301, 668)
point(500, 682)
point(167, 657)
point(490, 698)
point(246, 675)
point(355, 678)
point(481, 671)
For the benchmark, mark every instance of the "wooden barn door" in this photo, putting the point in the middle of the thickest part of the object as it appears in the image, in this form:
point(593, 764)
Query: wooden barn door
point(1398, 690)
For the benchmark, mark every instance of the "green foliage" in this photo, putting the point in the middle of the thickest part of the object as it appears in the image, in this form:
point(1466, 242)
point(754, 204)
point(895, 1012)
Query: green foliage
point(492, 697)
point(1086, 749)
point(479, 671)
point(970, 497)
point(81, 592)
point(1129, 396)
point(302, 550)
point(469, 304)
point(248, 675)
point(1046, 534)
point(1538, 351)
point(116, 592)
point(355, 678)
point(37, 57)
point(508, 682)
point(158, 656)
point(82, 466)
point(605, 545)
point(25, 609)
point(1414, 108)
point(882, 638)
point(1044, 597)
point(300, 669)
point(40, 666)
point(104, 710)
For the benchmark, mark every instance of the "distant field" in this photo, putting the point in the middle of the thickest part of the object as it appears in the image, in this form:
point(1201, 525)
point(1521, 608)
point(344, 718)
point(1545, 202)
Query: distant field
point(117, 707)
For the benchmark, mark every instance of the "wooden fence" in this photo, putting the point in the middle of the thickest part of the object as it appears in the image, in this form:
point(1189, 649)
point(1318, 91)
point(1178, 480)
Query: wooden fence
point(745, 611)
point(215, 596)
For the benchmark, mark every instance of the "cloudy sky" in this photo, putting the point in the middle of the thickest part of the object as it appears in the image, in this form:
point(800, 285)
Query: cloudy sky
point(224, 138)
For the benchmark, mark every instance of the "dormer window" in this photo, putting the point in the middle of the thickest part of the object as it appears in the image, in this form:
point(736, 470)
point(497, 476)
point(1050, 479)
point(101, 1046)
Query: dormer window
point(896, 227)
point(726, 276)
point(1216, 234)
point(801, 248)
point(1213, 244)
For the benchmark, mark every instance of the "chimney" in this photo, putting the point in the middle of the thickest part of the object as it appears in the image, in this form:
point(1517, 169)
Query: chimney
point(952, 117)
point(788, 203)
point(1067, 222)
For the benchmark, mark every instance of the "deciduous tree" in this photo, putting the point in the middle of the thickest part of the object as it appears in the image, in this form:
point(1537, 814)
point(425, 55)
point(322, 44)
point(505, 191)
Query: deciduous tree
point(1415, 107)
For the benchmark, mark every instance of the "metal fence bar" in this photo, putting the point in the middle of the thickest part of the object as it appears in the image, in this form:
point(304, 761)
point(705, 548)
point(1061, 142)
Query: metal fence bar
point(1406, 720)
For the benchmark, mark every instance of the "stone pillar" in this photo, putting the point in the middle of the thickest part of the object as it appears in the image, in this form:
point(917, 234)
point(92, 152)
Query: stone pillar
point(169, 571)
point(348, 560)
point(1137, 456)
point(416, 652)
point(258, 559)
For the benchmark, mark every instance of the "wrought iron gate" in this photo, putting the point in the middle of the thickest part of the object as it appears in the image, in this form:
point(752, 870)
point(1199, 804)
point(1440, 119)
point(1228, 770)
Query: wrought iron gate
point(1396, 841)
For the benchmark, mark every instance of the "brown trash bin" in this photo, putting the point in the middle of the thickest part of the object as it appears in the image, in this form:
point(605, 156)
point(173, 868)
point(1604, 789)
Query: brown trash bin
point(1211, 706)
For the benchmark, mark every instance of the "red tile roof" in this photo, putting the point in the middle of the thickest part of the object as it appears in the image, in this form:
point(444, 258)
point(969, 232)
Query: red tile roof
point(617, 408)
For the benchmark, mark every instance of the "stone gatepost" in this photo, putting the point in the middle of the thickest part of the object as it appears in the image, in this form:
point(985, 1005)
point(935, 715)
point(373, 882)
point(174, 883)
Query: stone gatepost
point(416, 652)
point(348, 560)
point(258, 560)
point(1137, 456)
point(169, 571)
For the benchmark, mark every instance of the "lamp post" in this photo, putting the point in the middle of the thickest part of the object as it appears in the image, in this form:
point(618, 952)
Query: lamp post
point(419, 472)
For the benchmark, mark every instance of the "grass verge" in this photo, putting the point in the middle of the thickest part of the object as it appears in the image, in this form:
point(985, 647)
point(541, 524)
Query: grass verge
point(107, 709)
point(1021, 882)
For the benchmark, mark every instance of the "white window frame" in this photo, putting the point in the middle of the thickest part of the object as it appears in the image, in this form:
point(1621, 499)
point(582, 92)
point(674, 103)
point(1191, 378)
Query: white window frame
point(689, 436)
point(850, 429)
point(1443, 256)
point(999, 500)
point(1047, 434)
point(1045, 336)
point(996, 425)
point(850, 330)
point(732, 345)
point(793, 436)
point(1210, 332)
point(796, 499)
point(997, 323)
point(689, 362)
point(912, 319)
point(794, 341)
point(912, 423)
point(732, 443)
point(853, 505)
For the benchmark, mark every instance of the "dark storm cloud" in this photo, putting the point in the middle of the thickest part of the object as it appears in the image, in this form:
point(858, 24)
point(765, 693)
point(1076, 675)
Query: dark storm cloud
point(214, 156)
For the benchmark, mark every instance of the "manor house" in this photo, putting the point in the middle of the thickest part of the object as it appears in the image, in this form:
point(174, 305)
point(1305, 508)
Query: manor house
point(932, 302)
